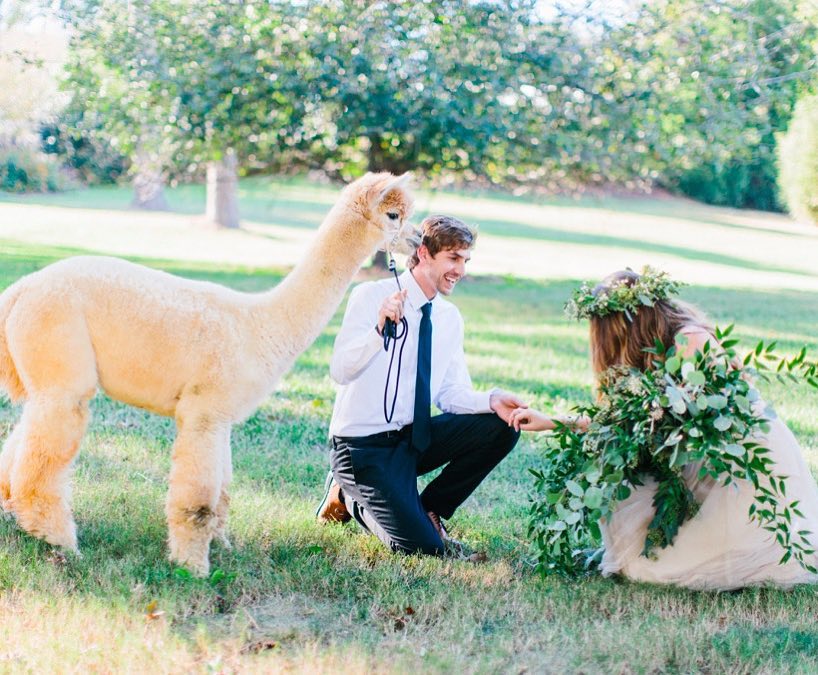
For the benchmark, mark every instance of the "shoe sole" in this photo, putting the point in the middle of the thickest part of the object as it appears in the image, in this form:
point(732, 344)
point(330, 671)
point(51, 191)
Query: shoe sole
point(327, 487)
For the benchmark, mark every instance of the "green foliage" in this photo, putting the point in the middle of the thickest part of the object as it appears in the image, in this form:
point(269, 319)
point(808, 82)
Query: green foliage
point(681, 94)
point(702, 87)
point(83, 153)
point(650, 287)
point(750, 184)
point(184, 82)
point(798, 160)
point(683, 414)
point(26, 170)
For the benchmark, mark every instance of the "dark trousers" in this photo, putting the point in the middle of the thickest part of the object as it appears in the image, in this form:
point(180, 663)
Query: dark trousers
point(378, 476)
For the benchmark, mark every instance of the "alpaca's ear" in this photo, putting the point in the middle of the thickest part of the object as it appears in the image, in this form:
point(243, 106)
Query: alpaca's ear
point(394, 184)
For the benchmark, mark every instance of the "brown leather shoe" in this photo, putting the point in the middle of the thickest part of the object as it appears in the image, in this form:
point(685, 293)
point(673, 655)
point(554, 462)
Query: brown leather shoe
point(332, 508)
point(439, 526)
point(453, 548)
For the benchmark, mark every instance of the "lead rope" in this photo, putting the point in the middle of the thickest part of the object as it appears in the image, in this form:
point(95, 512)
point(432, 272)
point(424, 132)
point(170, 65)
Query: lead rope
point(391, 334)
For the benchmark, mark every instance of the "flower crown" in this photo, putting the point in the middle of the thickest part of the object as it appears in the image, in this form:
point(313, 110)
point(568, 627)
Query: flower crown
point(651, 286)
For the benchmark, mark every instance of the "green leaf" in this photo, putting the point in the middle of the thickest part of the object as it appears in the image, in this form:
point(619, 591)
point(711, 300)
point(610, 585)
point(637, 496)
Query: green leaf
point(673, 364)
point(734, 450)
point(593, 497)
point(574, 488)
point(717, 401)
point(722, 423)
point(742, 402)
point(696, 378)
point(573, 517)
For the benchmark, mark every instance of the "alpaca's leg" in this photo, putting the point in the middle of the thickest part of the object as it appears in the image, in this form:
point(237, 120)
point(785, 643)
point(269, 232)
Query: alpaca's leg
point(223, 506)
point(195, 488)
point(6, 464)
point(54, 356)
point(51, 429)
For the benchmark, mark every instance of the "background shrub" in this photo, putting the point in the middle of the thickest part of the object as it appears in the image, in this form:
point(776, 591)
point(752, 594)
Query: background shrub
point(798, 161)
point(27, 170)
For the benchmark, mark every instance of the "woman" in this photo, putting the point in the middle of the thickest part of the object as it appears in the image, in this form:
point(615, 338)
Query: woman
point(720, 548)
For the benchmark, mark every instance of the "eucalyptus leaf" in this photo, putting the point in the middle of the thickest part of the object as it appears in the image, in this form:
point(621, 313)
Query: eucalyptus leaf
point(734, 449)
point(717, 401)
point(672, 364)
point(574, 488)
point(696, 378)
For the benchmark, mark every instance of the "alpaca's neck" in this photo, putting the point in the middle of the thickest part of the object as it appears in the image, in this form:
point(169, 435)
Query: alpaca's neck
point(295, 311)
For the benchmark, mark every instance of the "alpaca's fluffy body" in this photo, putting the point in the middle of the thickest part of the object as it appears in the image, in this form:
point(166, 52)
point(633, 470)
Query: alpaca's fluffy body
point(196, 351)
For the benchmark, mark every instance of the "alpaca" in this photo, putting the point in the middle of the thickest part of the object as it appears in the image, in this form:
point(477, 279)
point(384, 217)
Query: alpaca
point(199, 352)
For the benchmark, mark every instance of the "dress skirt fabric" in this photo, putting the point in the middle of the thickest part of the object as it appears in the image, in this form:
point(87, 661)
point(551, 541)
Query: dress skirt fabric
point(719, 548)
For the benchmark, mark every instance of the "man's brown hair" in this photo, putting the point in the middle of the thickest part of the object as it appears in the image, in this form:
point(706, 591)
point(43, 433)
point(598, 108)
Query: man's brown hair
point(442, 233)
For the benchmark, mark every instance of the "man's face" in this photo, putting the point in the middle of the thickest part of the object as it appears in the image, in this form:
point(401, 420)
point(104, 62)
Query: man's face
point(444, 270)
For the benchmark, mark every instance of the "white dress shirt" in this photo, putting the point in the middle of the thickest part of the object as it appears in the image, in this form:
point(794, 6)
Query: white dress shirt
point(359, 363)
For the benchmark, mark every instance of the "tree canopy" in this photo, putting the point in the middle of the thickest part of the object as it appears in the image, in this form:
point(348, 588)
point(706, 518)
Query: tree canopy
point(680, 93)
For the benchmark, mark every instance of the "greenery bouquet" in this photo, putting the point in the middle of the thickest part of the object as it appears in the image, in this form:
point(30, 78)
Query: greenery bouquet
point(701, 414)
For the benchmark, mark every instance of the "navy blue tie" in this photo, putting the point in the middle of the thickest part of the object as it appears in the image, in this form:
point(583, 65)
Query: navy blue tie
point(422, 425)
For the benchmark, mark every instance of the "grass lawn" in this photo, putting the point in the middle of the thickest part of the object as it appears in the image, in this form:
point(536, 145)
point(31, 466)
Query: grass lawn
point(292, 595)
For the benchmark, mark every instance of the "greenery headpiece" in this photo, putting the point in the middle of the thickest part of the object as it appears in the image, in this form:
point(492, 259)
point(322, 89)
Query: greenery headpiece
point(624, 295)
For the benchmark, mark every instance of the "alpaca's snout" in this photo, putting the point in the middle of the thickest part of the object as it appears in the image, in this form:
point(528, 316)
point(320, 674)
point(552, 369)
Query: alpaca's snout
point(406, 240)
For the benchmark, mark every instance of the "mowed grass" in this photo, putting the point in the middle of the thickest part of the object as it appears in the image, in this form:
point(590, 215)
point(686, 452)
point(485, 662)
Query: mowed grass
point(292, 595)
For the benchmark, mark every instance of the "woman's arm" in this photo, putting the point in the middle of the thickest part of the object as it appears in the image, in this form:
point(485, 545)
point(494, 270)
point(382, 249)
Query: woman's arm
point(525, 419)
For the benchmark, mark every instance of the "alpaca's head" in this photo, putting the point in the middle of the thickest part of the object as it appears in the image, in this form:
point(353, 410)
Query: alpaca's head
point(386, 202)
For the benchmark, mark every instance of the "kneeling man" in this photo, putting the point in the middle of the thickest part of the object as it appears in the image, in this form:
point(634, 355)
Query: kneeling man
point(383, 434)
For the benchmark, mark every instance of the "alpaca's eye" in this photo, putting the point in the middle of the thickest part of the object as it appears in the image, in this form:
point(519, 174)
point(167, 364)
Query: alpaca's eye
point(392, 216)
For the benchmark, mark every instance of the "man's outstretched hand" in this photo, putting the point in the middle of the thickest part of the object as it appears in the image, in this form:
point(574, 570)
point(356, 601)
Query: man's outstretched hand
point(504, 403)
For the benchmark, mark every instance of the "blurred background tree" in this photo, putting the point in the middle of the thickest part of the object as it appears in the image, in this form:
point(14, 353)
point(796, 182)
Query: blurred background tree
point(798, 161)
point(528, 95)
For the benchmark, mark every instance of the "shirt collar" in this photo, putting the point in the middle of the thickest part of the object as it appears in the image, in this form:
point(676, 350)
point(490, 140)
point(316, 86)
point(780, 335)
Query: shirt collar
point(417, 298)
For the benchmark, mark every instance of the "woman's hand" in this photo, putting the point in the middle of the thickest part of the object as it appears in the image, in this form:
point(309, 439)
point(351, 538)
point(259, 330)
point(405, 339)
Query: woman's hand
point(525, 419)
point(576, 422)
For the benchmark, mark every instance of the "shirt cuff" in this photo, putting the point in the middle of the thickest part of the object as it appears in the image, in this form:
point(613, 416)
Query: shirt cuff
point(482, 401)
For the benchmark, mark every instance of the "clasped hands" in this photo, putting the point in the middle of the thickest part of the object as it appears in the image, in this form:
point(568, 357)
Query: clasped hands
point(517, 414)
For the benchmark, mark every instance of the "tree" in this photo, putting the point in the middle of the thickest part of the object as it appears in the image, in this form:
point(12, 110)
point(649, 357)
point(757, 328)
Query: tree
point(424, 86)
point(183, 86)
point(703, 87)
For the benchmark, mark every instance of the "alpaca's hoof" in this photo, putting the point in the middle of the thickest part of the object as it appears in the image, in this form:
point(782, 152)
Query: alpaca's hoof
point(55, 528)
point(67, 540)
point(198, 568)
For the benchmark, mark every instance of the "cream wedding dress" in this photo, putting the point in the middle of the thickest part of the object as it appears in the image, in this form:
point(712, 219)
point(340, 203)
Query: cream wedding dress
point(719, 548)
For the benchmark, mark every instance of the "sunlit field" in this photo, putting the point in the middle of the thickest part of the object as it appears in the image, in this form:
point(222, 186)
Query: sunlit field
point(293, 595)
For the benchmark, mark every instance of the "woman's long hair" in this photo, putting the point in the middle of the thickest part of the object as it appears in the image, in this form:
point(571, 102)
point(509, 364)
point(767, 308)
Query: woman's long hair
point(616, 340)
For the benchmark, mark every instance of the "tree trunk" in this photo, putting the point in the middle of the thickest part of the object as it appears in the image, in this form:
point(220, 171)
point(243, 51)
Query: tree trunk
point(222, 192)
point(380, 260)
point(149, 189)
